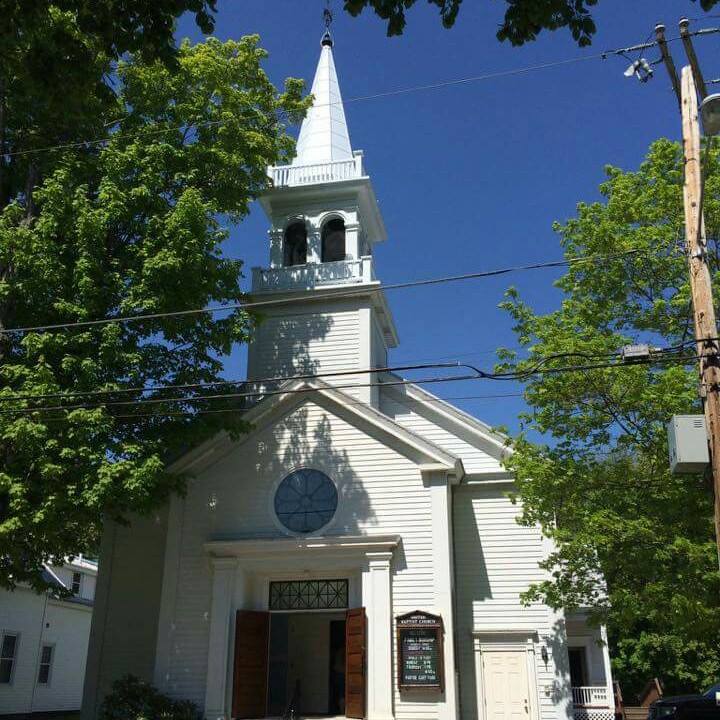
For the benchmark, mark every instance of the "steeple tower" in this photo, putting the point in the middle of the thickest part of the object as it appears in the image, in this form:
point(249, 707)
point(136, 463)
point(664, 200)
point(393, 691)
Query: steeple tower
point(324, 135)
point(329, 313)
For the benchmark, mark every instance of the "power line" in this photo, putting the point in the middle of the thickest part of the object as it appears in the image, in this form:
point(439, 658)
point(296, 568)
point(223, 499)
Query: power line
point(234, 396)
point(350, 403)
point(374, 96)
point(319, 296)
point(278, 379)
point(476, 375)
point(658, 354)
point(221, 383)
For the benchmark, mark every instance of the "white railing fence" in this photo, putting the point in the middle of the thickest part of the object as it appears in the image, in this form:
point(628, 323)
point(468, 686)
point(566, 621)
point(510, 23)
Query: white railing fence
point(591, 696)
point(296, 277)
point(292, 175)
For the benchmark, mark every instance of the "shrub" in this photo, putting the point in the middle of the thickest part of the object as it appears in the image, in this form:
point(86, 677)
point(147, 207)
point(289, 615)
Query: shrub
point(134, 699)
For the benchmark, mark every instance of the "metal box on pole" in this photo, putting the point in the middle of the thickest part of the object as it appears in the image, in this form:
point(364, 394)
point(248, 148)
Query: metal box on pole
point(687, 444)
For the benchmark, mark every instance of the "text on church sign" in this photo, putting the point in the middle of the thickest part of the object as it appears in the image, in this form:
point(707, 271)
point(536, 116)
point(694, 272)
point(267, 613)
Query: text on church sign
point(420, 651)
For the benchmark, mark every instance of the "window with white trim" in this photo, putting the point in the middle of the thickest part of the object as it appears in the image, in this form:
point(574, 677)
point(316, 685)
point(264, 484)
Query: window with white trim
point(46, 658)
point(76, 583)
point(8, 654)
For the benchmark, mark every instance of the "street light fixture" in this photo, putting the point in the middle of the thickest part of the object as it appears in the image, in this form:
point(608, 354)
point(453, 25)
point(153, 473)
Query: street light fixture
point(710, 113)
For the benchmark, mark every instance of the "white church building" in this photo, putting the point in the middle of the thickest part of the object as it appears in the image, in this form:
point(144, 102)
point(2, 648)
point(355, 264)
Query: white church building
point(356, 553)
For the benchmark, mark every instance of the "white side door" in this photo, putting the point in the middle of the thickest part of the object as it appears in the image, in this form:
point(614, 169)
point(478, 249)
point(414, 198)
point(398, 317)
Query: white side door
point(505, 685)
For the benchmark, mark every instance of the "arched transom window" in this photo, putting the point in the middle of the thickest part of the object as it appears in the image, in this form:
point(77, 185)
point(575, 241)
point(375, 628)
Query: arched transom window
point(295, 244)
point(333, 240)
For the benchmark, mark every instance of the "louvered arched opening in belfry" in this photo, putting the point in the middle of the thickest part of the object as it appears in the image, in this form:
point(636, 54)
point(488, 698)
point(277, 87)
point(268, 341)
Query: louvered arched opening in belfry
point(333, 240)
point(295, 244)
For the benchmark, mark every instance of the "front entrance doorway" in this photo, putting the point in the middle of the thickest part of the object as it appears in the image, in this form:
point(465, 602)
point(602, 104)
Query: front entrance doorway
point(306, 664)
point(505, 685)
point(311, 661)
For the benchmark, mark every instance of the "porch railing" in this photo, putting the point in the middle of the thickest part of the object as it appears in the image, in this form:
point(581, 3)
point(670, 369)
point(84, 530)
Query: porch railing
point(591, 696)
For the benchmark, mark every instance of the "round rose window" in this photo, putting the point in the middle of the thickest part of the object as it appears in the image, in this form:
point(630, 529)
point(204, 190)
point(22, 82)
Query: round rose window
point(305, 501)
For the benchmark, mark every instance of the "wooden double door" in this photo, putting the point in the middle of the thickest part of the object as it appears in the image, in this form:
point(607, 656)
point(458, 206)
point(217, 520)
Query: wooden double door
point(252, 659)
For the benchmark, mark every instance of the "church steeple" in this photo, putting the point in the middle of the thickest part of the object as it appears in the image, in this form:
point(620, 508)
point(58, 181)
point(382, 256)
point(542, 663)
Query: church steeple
point(324, 223)
point(324, 135)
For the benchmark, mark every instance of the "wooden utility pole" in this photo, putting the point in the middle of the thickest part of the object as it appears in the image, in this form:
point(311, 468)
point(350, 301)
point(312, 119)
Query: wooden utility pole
point(706, 331)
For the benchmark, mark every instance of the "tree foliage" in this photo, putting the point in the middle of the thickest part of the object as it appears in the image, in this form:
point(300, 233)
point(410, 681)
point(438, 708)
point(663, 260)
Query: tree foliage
point(127, 226)
point(524, 19)
point(598, 480)
point(57, 64)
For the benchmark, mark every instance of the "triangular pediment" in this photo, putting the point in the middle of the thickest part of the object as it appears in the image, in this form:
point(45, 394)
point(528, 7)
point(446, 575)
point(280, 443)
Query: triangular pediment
point(428, 456)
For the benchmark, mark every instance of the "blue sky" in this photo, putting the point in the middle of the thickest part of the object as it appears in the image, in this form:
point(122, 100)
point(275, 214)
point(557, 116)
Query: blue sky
point(471, 177)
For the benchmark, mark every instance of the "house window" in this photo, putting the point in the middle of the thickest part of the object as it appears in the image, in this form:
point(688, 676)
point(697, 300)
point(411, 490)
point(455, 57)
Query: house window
point(8, 653)
point(46, 658)
point(295, 245)
point(76, 583)
point(333, 240)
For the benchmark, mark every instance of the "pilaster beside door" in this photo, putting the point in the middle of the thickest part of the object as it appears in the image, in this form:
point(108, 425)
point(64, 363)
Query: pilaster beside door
point(355, 662)
point(250, 669)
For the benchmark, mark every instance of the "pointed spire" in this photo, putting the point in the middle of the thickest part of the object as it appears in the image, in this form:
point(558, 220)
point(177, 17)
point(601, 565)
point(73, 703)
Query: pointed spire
point(324, 134)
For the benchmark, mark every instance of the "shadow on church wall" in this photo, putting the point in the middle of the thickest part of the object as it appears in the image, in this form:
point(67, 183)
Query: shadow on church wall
point(283, 346)
point(473, 586)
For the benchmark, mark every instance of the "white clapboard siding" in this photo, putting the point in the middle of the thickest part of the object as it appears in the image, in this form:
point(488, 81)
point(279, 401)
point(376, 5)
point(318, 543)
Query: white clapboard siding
point(312, 342)
point(39, 619)
point(21, 611)
point(67, 628)
point(475, 460)
point(495, 561)
point(380, 491)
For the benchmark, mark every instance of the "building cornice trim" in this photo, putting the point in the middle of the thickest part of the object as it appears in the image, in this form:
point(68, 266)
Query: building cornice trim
point(347, 544)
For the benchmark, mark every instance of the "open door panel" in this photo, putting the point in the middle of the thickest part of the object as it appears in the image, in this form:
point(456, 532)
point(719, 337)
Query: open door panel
point(355, 644)
point(250, 669)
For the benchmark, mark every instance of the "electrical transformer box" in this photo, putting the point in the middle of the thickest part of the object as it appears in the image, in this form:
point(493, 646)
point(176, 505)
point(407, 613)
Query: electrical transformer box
point(687, 443)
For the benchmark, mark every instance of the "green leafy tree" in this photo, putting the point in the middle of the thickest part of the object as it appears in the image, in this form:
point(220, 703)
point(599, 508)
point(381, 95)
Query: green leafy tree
point(57, 62)
point(524, 19)
point(132, 225)
point(599, 483)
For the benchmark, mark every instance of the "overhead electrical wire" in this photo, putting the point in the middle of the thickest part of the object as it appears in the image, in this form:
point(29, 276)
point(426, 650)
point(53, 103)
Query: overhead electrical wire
point(220, 383)
point(70, 393)
point(374, 96)
point(477, 374)
point(350, 403)
point(335, 295)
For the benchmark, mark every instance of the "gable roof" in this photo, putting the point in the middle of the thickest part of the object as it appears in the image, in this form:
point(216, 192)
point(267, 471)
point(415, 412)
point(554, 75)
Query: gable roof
point(428, 456)
point(442, 413)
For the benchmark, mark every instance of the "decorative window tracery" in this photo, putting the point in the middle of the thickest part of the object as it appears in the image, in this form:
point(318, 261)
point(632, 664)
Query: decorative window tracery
point(306, 500)
point(308, 595)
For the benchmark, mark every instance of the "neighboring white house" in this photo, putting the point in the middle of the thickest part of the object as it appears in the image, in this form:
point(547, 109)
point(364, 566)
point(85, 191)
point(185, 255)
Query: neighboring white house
point(44, 641)
point(356, 553)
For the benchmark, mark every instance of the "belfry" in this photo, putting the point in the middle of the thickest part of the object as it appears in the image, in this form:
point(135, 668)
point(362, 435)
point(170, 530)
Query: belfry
point(355, 554)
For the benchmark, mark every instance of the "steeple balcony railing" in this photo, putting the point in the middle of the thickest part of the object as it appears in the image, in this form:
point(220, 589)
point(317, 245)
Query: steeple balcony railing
point(294, 175)
point(313, 275)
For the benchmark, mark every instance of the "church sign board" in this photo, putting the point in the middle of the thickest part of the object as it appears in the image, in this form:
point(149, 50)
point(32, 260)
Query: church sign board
point(420, 651)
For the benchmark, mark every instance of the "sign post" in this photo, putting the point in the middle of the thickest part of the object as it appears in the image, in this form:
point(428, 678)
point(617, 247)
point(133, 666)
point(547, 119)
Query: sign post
point(420, 651)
